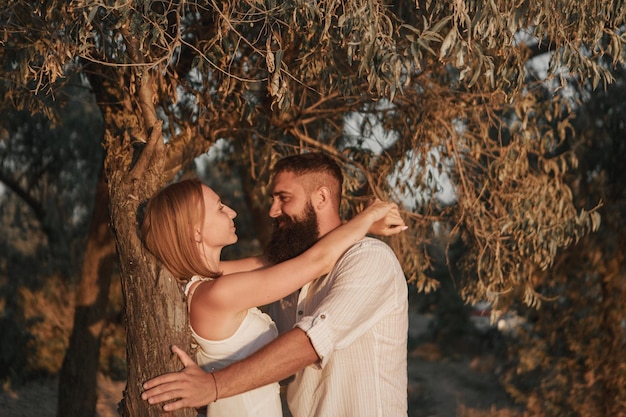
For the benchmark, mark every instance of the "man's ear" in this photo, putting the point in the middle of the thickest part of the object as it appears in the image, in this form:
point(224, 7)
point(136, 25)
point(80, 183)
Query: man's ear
point(321, 198)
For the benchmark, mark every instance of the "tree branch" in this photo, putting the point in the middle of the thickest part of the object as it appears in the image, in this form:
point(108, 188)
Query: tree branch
point(34, 205)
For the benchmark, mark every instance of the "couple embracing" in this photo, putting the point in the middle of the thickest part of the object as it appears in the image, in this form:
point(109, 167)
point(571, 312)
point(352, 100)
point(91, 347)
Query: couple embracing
point(339, 299)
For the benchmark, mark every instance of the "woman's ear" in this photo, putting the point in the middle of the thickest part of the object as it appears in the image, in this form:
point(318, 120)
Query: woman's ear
point(197, 236)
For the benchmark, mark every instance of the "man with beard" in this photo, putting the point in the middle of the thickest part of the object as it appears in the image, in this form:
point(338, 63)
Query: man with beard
point(294, 234)
point(344, 334)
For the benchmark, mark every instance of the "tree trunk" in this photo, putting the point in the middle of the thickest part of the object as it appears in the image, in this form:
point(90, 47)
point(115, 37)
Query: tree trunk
point(155, 312)
point(78, 376)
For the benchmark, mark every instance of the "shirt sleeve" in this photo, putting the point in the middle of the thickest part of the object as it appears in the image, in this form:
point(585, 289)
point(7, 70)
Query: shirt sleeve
point(364, 287)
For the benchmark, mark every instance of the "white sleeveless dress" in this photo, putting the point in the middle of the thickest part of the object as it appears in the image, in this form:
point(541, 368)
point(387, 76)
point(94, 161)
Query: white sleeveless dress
point(256, 330)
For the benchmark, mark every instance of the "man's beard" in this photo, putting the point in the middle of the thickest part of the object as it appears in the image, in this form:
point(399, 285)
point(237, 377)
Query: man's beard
point(292, 236)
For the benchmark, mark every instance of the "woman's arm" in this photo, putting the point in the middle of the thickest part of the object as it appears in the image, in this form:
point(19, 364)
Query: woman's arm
point(240, 291)
point(383, 227)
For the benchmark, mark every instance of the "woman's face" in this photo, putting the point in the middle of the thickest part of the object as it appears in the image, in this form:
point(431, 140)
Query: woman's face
point(218, 229)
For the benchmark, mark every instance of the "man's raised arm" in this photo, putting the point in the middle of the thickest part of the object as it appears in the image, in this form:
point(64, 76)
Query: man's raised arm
point(242, 265)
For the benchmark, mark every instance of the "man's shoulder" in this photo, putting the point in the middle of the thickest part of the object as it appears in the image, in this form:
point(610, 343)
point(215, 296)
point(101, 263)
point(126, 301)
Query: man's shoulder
point(370, 261)
point(369, 246)
point(369, 243)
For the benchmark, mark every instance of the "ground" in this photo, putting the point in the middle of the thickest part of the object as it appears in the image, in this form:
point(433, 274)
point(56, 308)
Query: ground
point(462, 386)
point(437, 388)
point(446, 387)
point(39, 399)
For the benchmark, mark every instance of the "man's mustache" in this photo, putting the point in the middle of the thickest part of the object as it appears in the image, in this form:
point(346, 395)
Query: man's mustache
point(282, 221)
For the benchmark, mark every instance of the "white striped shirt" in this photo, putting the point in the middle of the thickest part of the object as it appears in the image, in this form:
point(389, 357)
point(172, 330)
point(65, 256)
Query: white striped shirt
point(356, 318)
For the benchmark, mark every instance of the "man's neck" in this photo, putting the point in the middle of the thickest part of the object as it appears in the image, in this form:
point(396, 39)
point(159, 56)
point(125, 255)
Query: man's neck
point(325, 226)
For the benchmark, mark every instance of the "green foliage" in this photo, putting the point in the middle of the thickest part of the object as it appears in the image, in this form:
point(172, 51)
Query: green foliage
point(571, 362)
point(51, 168)
point(278, 77)
point(48, 170)
point(451, 85)
point(13, 361)
point(34, 328)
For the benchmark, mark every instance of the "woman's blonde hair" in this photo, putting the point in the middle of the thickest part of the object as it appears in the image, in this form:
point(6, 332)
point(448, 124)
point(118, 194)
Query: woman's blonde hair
point(169, 228)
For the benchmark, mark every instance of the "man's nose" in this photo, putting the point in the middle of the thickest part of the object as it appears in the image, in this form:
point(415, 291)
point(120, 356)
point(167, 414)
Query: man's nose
point(275, 210)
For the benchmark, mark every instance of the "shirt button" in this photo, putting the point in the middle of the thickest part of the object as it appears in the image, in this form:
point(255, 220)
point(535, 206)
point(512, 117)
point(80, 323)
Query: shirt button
point(300, 312)
point(323, 317)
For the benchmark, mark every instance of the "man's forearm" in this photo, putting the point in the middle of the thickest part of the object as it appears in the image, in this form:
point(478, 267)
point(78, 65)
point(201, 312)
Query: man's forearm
point(276, 361)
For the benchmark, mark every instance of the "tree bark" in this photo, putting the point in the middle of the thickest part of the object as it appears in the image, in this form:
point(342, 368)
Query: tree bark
point(155, 311)
point(78, 376)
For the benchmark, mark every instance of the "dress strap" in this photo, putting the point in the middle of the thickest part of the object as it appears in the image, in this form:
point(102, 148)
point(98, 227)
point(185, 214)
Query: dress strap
point(189, 294)
point(193, 280)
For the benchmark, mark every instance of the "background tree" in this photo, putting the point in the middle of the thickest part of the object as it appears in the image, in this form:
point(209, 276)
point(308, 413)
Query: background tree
point(445, 81)
point(50, 164)
point(48, 171)
point(52, 168)
point(577, 341)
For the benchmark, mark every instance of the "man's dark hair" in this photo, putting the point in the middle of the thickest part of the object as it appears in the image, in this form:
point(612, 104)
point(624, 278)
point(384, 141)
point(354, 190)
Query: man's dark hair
point(311, 163)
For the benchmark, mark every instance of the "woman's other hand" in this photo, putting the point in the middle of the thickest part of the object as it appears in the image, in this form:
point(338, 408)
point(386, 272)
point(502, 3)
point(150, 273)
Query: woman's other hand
point(389, 222)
